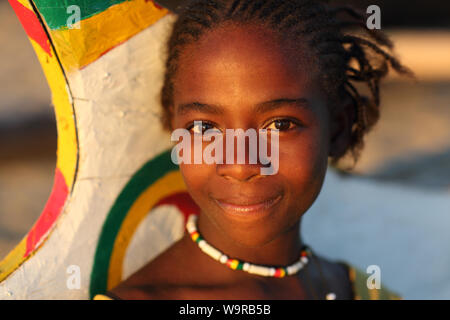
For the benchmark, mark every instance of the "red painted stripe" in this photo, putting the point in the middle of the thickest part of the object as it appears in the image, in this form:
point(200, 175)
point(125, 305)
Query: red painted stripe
point(184, 203)
point(51, 212)
point(32, 26)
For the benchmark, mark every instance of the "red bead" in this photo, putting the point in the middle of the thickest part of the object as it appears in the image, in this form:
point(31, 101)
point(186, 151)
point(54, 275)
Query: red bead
point(279, 273)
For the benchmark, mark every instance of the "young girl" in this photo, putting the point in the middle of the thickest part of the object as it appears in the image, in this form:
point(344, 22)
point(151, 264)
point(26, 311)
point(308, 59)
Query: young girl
point(276, 65)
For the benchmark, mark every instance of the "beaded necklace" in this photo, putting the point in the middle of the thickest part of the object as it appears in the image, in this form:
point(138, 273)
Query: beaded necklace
point(236, 264)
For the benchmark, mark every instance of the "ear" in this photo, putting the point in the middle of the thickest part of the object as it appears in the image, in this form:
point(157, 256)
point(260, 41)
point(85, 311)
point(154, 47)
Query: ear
point(341, 126)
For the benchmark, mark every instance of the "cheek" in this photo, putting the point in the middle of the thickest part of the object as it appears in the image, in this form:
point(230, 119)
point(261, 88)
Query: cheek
point(191, 175)
point(304, 160)
point(196, 177)
point(304, 152)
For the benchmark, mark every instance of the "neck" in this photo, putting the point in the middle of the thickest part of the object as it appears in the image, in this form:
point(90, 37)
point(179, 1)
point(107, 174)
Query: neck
point(280, 251)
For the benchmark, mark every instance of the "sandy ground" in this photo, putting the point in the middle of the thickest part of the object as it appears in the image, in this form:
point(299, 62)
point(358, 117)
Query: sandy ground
point(410, 145)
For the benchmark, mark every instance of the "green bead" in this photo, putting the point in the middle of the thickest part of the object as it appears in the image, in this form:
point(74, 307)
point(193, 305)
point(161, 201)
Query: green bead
point(199, 239)
point(240, 266)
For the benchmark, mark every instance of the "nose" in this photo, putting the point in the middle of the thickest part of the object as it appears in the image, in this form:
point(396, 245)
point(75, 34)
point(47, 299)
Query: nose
point(238, 172)
point(238, 152)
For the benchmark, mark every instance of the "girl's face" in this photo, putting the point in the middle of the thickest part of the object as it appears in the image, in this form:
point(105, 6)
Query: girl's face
point(243, 77)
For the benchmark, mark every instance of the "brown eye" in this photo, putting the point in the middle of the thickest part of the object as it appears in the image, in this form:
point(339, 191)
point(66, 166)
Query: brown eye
point(281, 125)
point(199, 127)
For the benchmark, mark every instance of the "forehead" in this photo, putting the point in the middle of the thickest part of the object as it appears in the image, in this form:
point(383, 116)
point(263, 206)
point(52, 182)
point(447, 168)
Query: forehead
point(242, 62)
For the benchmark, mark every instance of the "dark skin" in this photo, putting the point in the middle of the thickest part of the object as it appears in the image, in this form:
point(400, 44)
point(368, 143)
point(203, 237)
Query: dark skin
point(247, 77)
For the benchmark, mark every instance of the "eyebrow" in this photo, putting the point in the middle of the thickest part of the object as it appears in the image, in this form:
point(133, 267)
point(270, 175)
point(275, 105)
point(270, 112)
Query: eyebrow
point(200, 107)
point(278, 103)
point(260, 107)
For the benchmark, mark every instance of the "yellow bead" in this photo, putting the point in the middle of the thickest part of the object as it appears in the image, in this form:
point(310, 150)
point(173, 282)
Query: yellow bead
point(233, 264)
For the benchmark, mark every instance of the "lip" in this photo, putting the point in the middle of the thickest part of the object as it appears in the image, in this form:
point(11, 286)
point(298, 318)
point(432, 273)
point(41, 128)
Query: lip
point(248, 208)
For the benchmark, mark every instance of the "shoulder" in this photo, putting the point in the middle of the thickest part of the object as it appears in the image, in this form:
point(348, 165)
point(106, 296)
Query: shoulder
point(353, 281)
point(359, 281)
point(336, 276)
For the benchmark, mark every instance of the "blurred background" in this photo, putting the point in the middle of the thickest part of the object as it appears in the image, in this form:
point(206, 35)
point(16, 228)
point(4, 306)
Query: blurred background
point(409, 146)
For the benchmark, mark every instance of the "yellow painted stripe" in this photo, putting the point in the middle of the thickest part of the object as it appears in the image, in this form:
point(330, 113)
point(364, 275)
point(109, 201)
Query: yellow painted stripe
point(26, 4)
point(67, 140)
point(169, 184)
point(13, 260)
point(99, 33)
point(101, 297)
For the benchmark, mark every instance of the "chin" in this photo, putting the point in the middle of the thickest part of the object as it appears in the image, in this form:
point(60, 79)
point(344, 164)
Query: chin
point(249, 232)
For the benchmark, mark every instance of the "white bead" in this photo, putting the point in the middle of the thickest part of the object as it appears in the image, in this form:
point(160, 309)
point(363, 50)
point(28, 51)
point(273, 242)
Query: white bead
point(259, 270)
point(223, 259)
point(212, 252)
point(192, 219)
point(331, 296)
point(202, 244)
point(272, 271)
point(190, 224)
point(246, 266)
point(292, 270)
point(304, 260)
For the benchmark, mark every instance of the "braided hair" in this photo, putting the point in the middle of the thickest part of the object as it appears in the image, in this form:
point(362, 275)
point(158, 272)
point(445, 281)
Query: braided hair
point(343, 59)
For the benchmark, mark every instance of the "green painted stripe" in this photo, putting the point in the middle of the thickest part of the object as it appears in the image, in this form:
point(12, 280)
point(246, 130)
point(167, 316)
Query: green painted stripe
point(55, 12)
point(151, 172)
